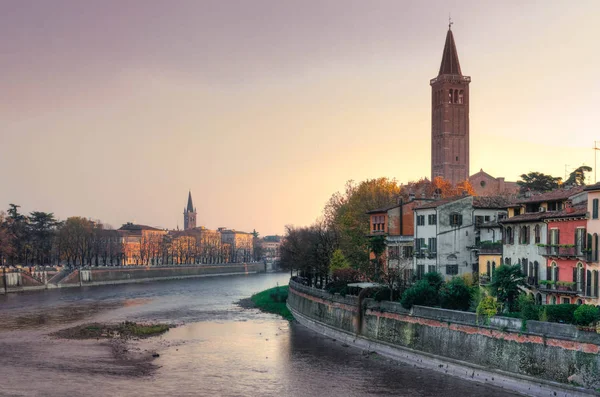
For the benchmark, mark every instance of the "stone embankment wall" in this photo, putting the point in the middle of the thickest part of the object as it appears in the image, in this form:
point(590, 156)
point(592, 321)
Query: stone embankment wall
point(537, 353)
point(22, 281)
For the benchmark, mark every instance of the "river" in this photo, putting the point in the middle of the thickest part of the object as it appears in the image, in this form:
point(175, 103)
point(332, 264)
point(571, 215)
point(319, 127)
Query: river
point(217, 348)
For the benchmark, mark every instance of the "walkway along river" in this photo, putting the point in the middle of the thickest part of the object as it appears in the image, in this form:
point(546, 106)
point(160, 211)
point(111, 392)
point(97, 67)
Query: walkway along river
point(218, 349)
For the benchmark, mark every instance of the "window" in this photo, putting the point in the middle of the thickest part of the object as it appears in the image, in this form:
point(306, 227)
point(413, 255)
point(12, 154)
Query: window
point(595, 209)
point(432, 244)
point(566, 300)
point(455, 219)
point(578, 276)
point(487, 218)
point(580, 240)
point(432, 219)
point(554, 237)
point(510, 238)
point(524, 235)
point(507, 261)
point(431, 269)
point(517, 211)
point(452, 270)
point(407, 251)
point(553, 300)
point(393, 252)
point(419, 244)
point(420, 220)
point(479, 219)
point(420, 271)
point(537, 233)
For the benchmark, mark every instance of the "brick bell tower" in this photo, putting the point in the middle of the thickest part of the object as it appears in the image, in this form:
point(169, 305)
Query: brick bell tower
point(450, 117)
point(189, 214)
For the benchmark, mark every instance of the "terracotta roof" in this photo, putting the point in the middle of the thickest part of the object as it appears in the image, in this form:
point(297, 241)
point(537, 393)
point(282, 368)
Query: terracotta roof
point(528, 217)
point(576, 211)
point(593, 187)
point(450, 64)
point(579, 210)
point(383, 209)
point(557, 194)
point(437, 203)
point(490, 202)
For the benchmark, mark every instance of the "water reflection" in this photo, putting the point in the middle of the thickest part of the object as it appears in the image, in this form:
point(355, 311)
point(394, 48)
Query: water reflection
point(218, 349)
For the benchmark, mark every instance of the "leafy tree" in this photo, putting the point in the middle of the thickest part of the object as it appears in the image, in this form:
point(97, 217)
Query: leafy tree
point(577, 177)
point(257, 248)
point(18, 235)
point(421, 293)
point(455, 294)
point(438, 186)
point(488, 307)
point(338, 261)
point(346, 216)
point(377, 246)
point(538, 182)
point(42, 226)
point(505, 285)
point(6, 248)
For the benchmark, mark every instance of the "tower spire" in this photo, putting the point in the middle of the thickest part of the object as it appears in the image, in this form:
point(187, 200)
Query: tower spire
point(450, 64)
point(190, 205)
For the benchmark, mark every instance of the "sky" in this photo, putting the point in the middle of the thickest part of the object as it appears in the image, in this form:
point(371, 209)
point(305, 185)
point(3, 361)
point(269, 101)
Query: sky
point(114, 109)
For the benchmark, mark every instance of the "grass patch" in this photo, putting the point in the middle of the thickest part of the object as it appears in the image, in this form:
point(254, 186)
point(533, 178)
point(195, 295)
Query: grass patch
point(273, 301)
point(125, 330)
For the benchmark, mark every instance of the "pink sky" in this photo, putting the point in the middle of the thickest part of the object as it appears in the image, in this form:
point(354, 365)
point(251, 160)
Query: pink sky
point(114, 109)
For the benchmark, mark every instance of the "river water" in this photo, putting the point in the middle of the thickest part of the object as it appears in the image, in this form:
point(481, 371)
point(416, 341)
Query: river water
point(217, 349)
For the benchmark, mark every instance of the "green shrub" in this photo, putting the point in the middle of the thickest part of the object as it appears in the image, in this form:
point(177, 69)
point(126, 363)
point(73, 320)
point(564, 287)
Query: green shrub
point(434, 279)
point(586, 314)
point(563, 313)
point(527, 307)
point(455, 295)
point(487, 308)
point(421, 293)
point(477, 295)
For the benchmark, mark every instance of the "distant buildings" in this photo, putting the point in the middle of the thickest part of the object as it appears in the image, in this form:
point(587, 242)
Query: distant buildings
point(147, 245)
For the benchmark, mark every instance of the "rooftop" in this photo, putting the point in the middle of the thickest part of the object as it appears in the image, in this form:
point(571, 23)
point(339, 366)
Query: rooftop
point(554, 195)
point(135, 227)
point(490, 202)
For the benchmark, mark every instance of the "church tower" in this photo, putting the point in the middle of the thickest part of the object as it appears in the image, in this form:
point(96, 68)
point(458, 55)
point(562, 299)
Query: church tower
point(189, 214)
point(450, 117)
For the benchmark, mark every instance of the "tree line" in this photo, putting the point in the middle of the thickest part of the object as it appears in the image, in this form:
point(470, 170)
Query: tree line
point(39, 239)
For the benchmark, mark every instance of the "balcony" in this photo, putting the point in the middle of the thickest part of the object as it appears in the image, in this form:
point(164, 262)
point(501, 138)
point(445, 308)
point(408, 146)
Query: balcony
point(487, 248)
point(562, 251)
point(564, 287)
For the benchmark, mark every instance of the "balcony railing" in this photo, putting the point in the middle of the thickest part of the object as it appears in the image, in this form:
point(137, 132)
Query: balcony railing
point(572, 288)
point(562, 252)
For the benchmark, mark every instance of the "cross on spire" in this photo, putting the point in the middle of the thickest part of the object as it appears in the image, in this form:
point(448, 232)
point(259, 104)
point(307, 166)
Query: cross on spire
point(450, 23)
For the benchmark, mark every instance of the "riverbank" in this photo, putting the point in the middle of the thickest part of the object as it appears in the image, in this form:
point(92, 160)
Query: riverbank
point(272, 300)
point(533, 361)
point(20, 280)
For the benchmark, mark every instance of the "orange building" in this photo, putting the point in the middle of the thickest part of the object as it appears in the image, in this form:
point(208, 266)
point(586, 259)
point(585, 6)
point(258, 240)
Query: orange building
point(396, 224)
point(141, 244)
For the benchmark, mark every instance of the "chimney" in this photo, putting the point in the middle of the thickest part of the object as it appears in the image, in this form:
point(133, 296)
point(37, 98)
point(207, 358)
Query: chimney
point(569, 207)
point(411, 196)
